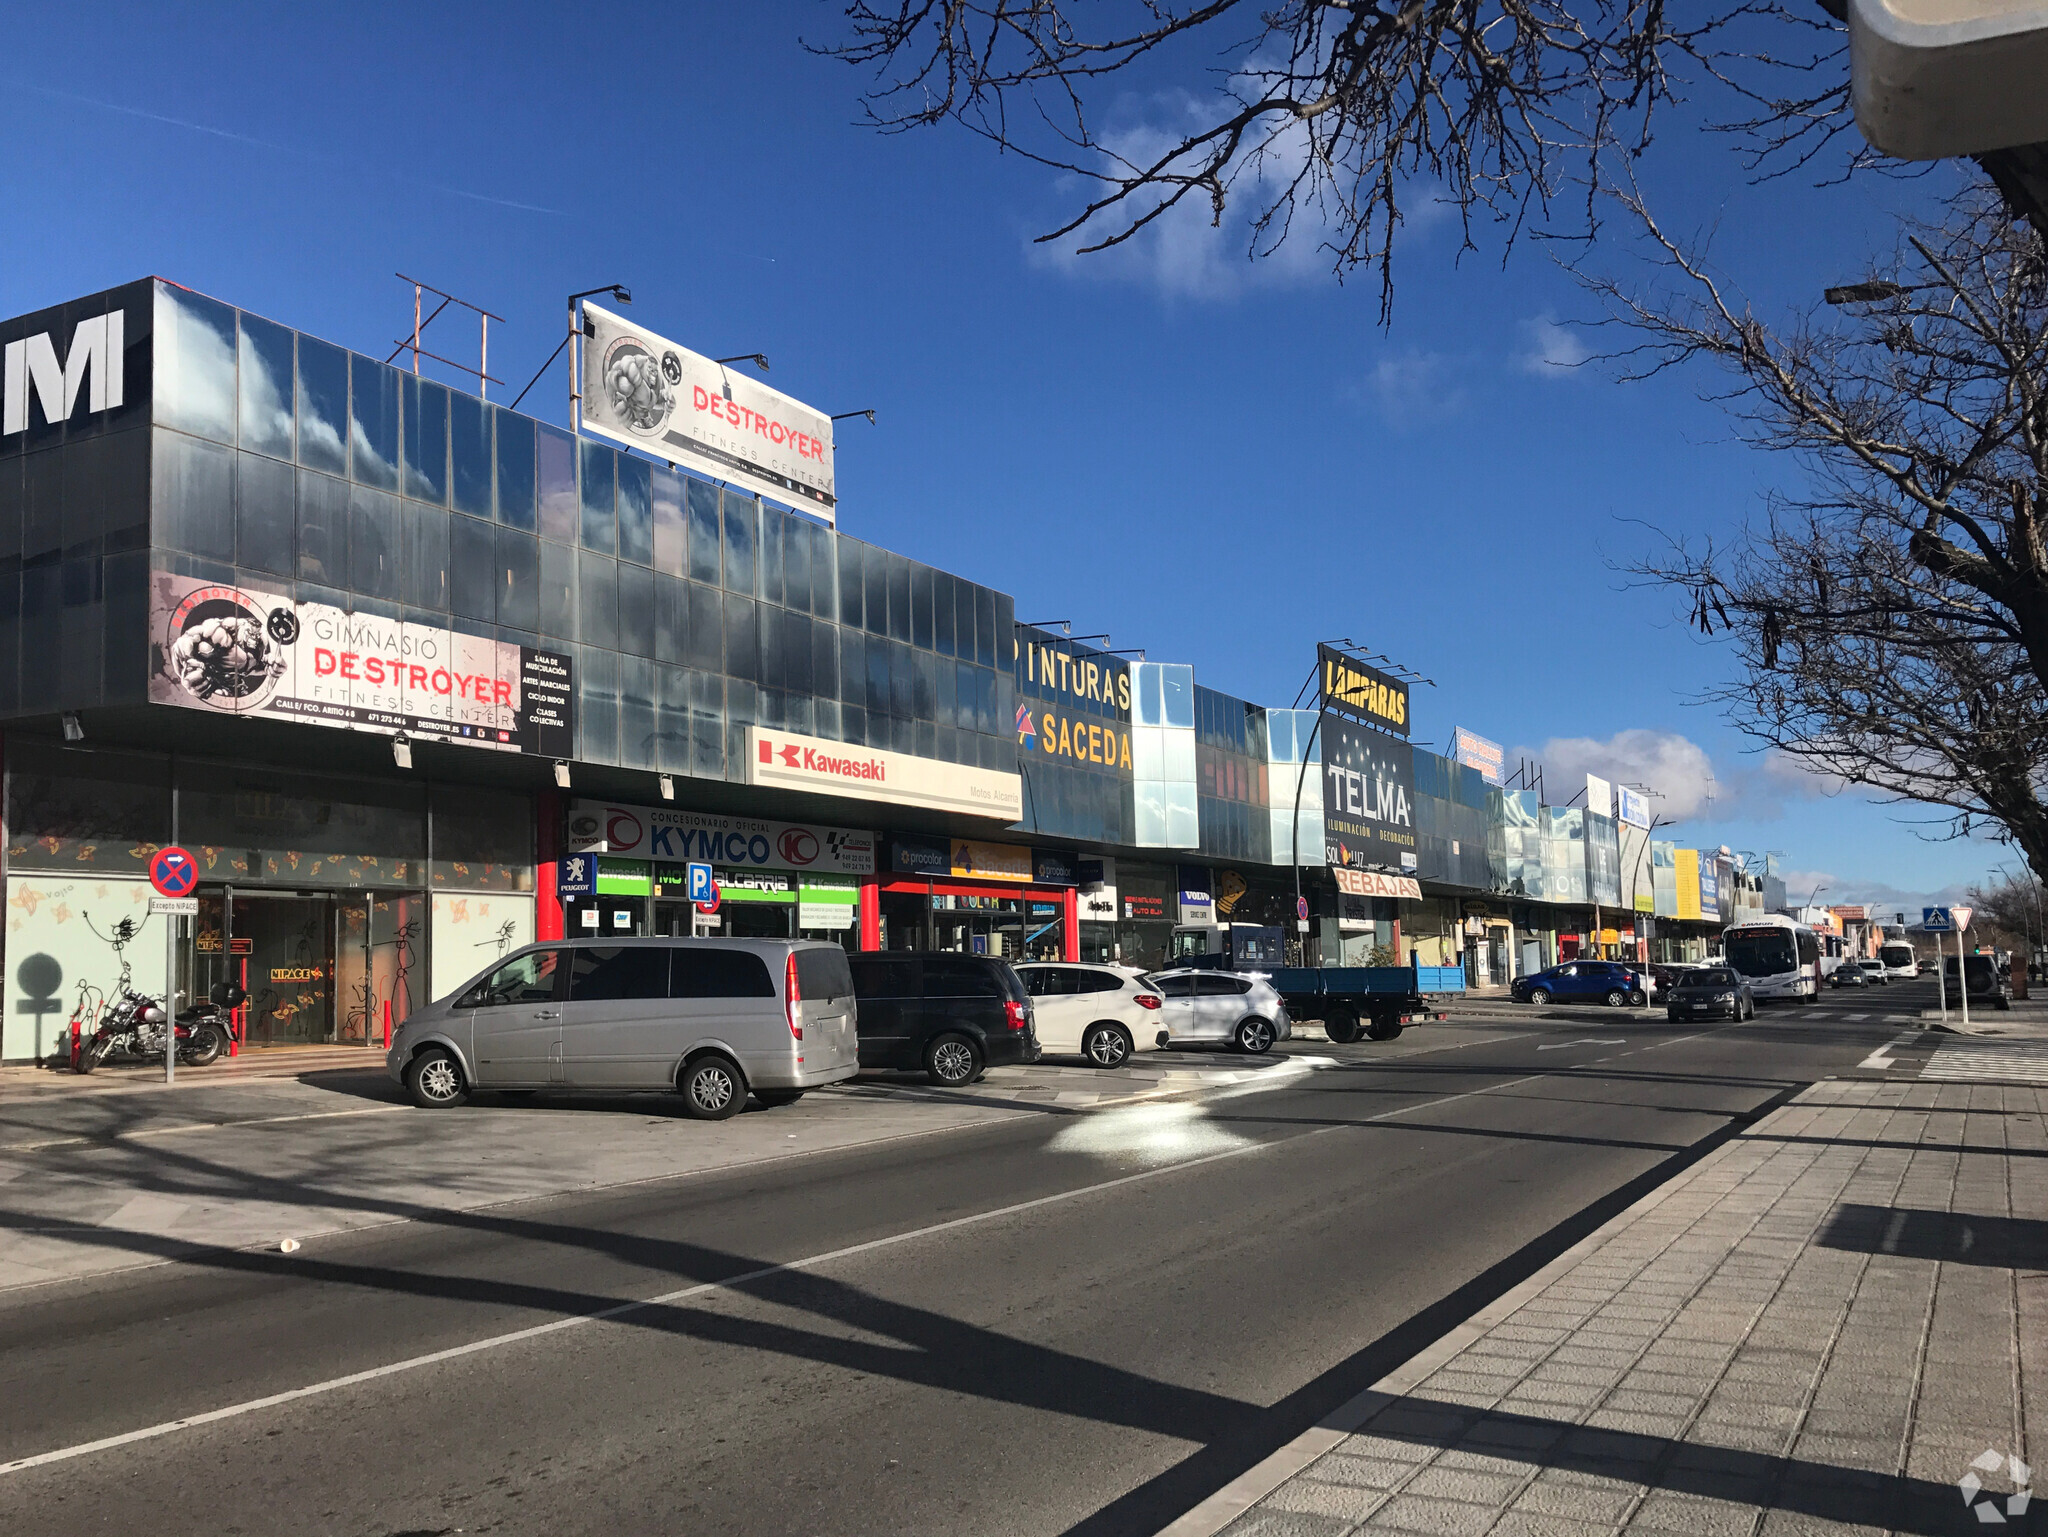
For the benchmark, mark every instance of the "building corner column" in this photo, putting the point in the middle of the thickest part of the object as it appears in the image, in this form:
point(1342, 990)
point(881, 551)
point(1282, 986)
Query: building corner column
point(870, 916)
point(1070, 925)
point(547, 843)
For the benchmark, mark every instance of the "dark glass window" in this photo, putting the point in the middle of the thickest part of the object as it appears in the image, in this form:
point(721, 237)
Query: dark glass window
point(878, 676)
point(876, 563)
point(771, 554)
point(704, 542)
point(426, 439)
point(984, 627)
point(195, 364)
point(742, 640)
point(707, 629)
point(469, 437)
point(192, 496)
point(853, 668)
point(926, 704)
point(373, 422)
point(796, 564)
point(598, 600)
point(599, 532)
point(850, 581)
point(636, 510)
point(671, 528)
point(902, 681)
point(516, 486)
point(597, 704)
point(266, 387)
point(671, 618)
point(942, 614)
point(947, 976)
point(707, 718)
point(796, 649)
point(323, 406)
point(425, 568)
point(555, 474)
point(946, 691)
point(771, 648)
point(323, 529)
point(373, 543)
point(636, 712)
point(824, 660)
point(472, 567)
point(705, 971)
point(921, 605)
point(558, 589)
point(518, 579)
point(265, 514)
point(636, 609)
point(899, 598)
point(740, 522)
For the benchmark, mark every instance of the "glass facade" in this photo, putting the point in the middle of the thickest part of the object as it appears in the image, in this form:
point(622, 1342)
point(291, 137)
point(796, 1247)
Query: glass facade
point(1455, 825)
point(1231, 777)
point(1074, 736)
point(282, 462)
point(1163, 758)
point(1292, 738)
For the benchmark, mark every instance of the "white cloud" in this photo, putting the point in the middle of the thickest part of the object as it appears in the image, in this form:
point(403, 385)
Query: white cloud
point(1412, 389)
point(1554, 348)
point(1885, 898)
point(1187, 253)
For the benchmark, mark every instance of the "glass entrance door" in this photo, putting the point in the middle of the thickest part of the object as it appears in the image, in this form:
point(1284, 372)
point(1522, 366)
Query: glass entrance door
point(291, 956)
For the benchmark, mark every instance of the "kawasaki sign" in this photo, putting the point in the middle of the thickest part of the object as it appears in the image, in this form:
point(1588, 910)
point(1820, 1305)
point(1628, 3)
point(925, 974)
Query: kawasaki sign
point(672, 836)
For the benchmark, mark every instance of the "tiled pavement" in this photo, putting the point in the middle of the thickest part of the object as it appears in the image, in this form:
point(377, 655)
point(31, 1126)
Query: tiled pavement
point(1817, 1328)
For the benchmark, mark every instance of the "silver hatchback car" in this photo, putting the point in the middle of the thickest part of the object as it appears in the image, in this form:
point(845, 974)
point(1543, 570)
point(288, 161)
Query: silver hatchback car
point(712, 1019)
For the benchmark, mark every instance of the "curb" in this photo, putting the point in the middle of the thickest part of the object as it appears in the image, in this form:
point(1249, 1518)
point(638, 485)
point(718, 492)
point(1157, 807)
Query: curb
point(1248, 1488)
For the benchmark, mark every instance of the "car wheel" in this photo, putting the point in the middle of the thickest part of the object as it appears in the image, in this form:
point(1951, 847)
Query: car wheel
point(435, 1079)
point(1254, 1036)
point(1384, 1029)
point(712, 1089)
point(1540, 995)
point(1639, 1000)
point(1342, 1027)
point(774, 1098)
point(952, 1062)
point(1616, 998)
point(1106, 1045)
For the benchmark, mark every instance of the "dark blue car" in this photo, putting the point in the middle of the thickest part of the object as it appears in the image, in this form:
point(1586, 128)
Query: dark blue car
point(1607, 982)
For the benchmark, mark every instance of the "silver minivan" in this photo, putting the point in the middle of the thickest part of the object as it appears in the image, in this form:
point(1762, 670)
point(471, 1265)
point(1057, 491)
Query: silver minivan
point(712, 1019)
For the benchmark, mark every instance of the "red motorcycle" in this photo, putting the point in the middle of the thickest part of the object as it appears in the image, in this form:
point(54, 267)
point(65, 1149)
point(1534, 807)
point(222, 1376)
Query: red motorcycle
point(134, 1027)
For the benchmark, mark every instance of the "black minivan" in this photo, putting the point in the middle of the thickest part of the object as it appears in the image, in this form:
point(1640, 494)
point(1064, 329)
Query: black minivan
point(950, 1015)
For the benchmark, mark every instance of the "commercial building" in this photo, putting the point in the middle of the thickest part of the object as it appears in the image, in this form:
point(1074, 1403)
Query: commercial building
point(418, 679)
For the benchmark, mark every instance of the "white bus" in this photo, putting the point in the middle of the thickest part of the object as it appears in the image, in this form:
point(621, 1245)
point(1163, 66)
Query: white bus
point(1899, 960)
point(1777, 957)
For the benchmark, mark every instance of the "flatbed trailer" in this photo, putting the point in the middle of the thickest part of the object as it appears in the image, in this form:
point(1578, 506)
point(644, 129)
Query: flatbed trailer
point(1370, 1001)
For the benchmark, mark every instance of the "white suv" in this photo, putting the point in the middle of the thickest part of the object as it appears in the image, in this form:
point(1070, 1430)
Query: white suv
point(1221, 1007)
point(1103, 1012)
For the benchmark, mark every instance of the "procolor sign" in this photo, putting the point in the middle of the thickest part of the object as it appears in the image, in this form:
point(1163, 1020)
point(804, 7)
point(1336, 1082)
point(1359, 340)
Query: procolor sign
point(89, 368)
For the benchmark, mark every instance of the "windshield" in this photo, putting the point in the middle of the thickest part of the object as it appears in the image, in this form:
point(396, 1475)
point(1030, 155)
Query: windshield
point(1897, 955)
point(1715, 978)
point(1761, 952)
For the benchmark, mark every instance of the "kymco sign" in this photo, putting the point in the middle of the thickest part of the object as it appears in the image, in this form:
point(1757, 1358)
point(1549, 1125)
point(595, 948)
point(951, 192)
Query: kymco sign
point(682, 837)
point(868, 773)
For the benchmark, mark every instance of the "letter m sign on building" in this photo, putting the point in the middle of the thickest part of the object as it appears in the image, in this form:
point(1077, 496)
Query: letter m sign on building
point(93, 363)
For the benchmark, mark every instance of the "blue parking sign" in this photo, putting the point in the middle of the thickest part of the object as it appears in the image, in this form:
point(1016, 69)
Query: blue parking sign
point(576, 876)
point(702, 887)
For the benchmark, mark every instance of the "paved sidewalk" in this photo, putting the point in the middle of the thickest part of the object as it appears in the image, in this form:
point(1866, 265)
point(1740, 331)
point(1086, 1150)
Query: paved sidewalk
point(1823, 1326)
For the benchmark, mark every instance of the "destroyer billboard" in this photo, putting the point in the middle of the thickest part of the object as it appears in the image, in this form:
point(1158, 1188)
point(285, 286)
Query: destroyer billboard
point(243, 651)
point(649, 393)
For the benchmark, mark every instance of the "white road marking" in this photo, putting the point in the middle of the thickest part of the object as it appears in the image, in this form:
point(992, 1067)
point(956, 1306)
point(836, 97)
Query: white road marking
point(175, 1131)
point(1880, 1059)
point(684, 1294)
point(1855, 1016)
point(1586, 1041)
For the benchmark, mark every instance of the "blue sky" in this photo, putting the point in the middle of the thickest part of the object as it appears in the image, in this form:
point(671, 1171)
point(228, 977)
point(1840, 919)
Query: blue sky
point(1216, 461)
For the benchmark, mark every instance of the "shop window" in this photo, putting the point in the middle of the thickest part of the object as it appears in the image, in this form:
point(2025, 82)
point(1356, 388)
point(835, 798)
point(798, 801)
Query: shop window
point(265, 387)
point(469, 454)
point(516, 486)
point(373, 422)
point(98, 811)
point(194, 341)
point(318, 832)
point(426, 439)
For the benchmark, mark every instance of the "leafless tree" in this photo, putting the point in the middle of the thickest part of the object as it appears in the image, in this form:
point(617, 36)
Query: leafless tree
point(1890, 617)
point(1335, 109)
point(2006, 914)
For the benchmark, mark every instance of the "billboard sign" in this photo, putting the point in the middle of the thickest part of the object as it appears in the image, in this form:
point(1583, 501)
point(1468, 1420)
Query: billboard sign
point(1631, 806)
point(674, 836)
point(243, 651)
point(787, 761)
point(649, 393)
point(1368, 796)
point(1363, 693)
point(1370, 883)
point(1475, 751)
point(1599, 796)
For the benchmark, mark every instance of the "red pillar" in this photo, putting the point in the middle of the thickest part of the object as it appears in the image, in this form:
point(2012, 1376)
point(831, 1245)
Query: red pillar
point(1397, 944)
point(547, 842)
point(870, 915)
point(1070, 912)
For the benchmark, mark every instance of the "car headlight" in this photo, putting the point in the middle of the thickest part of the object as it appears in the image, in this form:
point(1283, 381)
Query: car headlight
point(1724, 997)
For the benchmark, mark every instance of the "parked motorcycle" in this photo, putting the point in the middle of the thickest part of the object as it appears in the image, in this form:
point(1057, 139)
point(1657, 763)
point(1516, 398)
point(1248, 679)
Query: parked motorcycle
point(134, 1027)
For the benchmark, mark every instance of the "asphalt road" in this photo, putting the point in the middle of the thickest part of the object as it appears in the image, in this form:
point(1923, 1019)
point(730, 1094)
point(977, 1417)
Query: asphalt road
point(1073, 1323)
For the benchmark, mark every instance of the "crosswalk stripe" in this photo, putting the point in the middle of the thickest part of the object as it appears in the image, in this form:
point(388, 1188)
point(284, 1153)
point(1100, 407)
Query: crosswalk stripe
point(1976, 1061)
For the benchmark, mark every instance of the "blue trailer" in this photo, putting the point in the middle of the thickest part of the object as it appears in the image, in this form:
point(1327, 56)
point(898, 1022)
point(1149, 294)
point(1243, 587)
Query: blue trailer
point(1371, 1001)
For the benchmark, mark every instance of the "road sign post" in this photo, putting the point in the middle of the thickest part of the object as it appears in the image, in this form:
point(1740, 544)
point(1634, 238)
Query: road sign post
point(1936, 921)
point(174, 876)
point(1960, 917)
